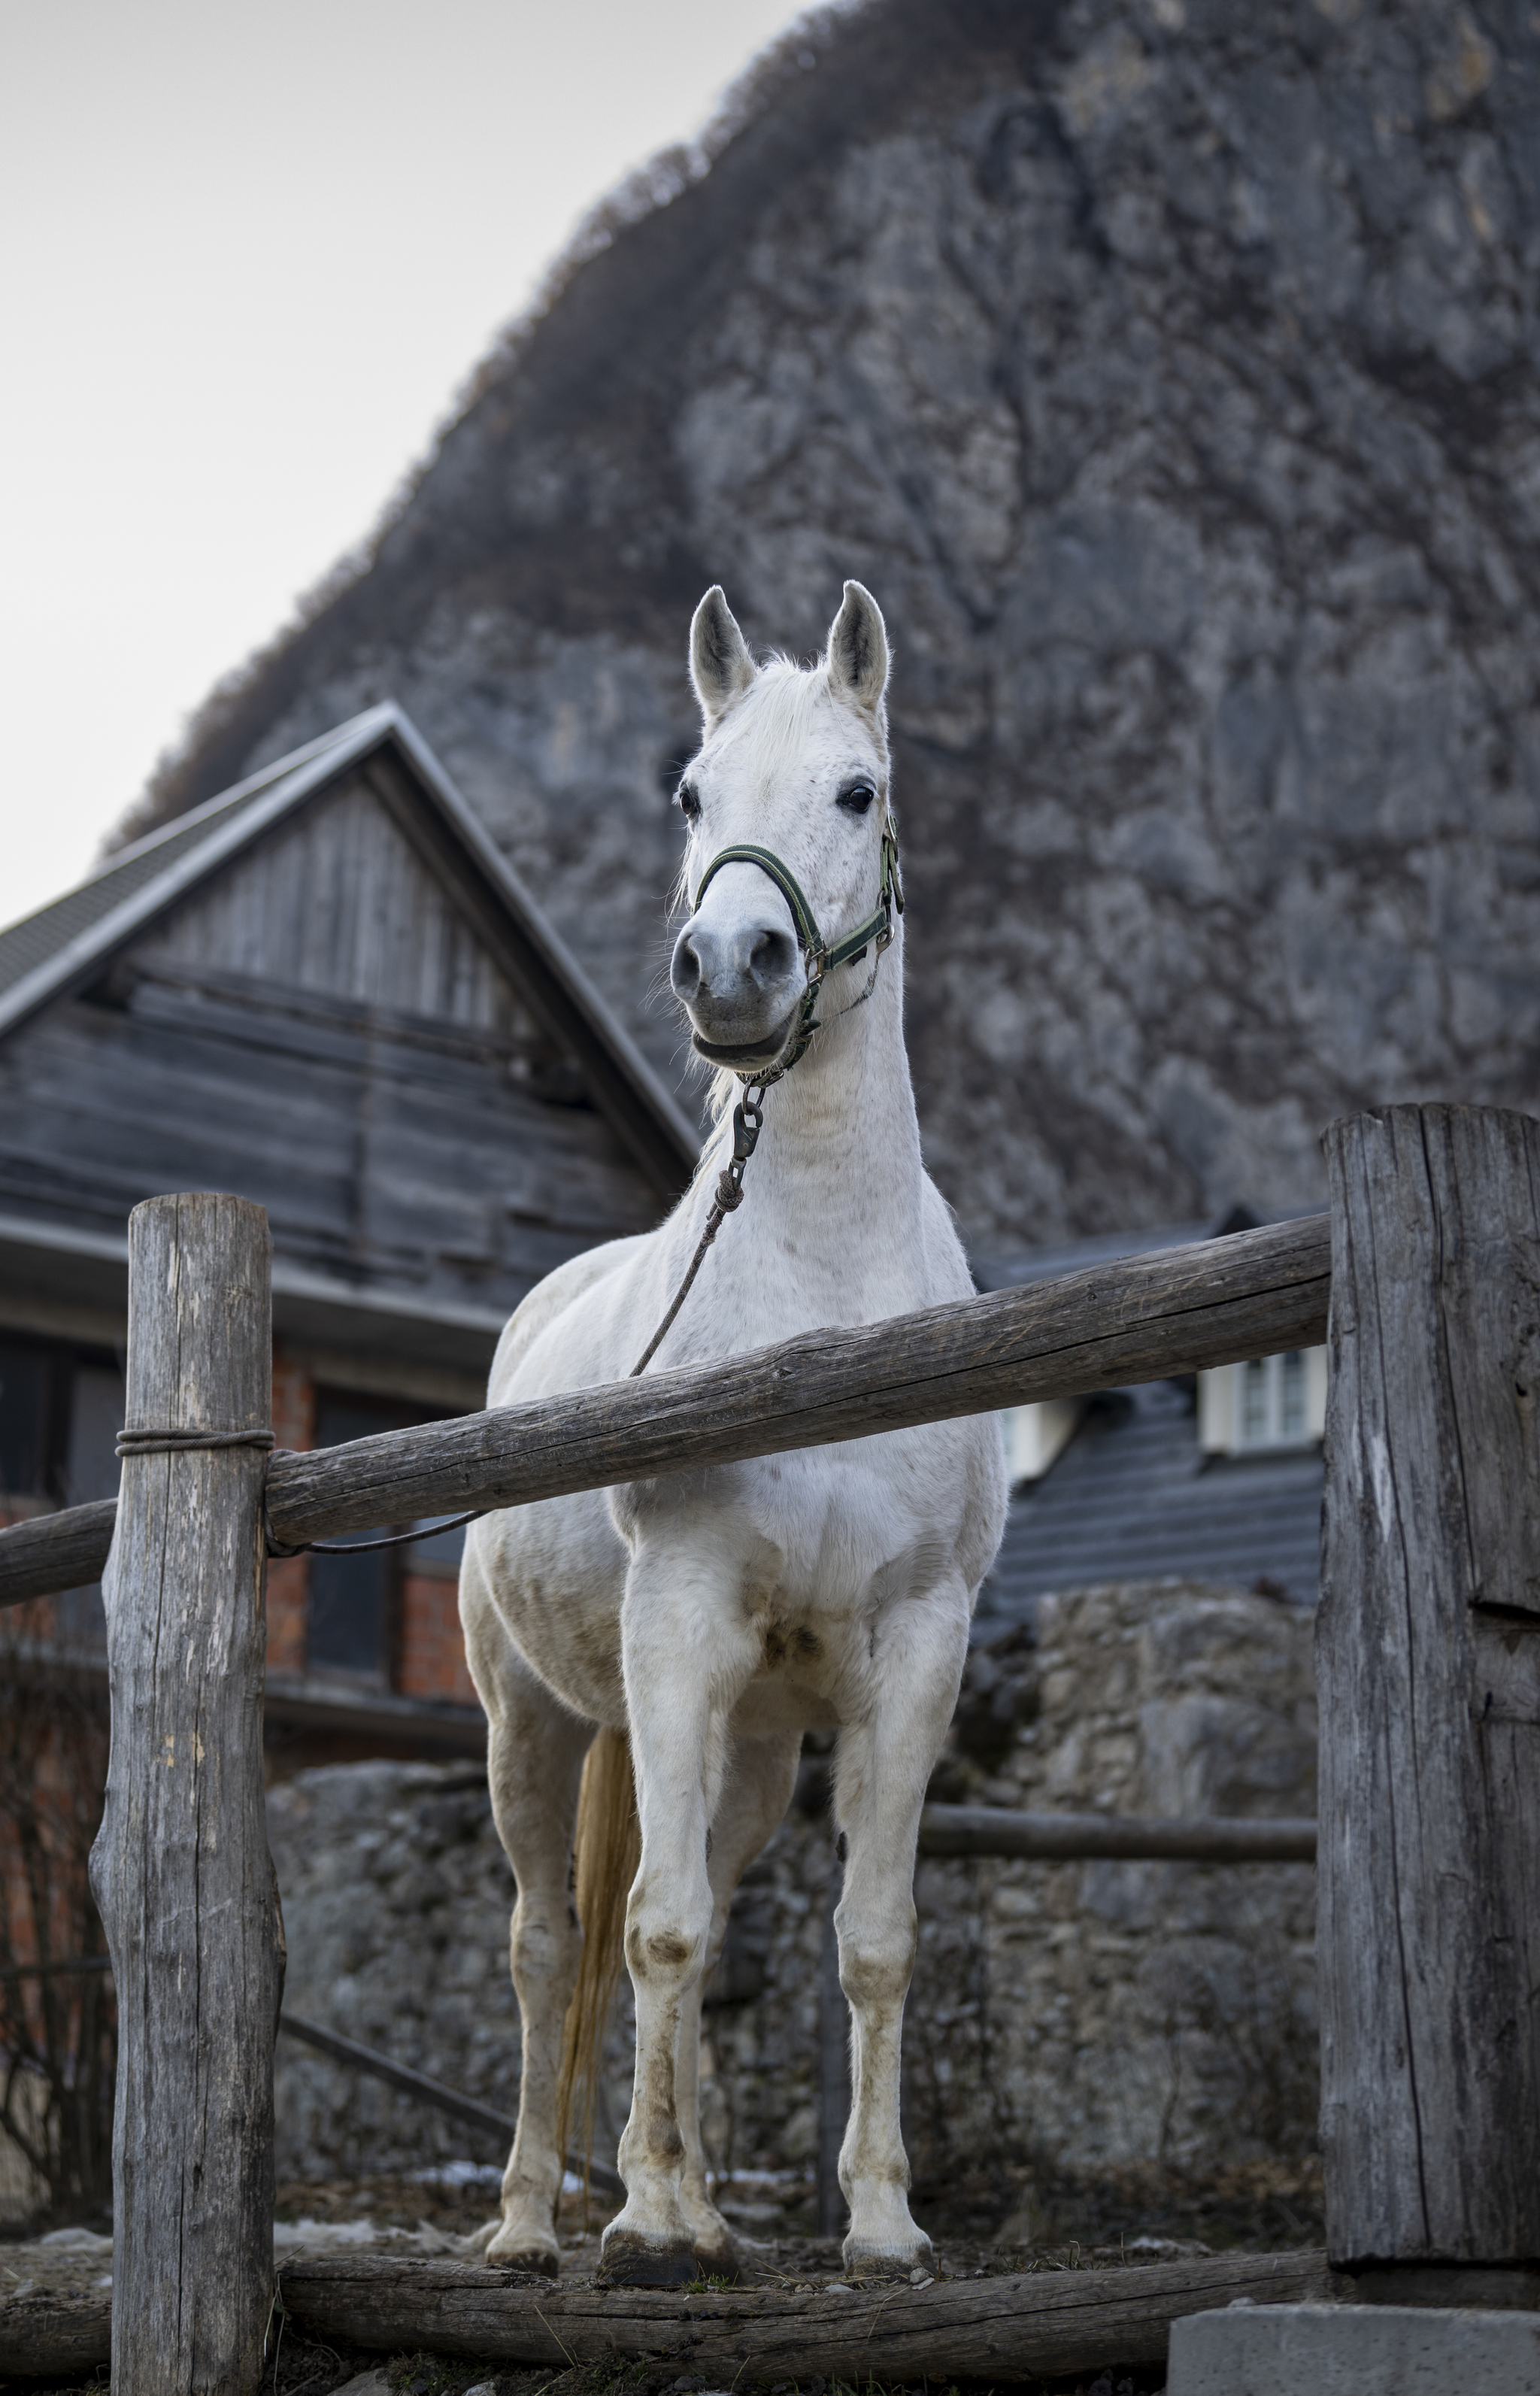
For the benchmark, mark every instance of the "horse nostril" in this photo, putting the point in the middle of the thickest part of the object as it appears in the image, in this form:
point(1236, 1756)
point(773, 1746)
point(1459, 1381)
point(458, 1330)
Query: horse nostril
point(770, 958)
point(684, 971)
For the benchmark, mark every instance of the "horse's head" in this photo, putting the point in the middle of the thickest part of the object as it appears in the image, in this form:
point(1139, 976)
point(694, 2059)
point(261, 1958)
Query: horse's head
point(795, 764)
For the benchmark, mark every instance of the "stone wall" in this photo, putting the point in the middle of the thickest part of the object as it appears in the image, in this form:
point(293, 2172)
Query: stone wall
point(1141, 2009)
point(1071, 2013)
point(396, 1898)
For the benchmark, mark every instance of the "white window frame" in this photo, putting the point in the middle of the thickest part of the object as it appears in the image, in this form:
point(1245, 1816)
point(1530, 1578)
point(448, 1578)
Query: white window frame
point(1268, 1407)
point(1036, 1436)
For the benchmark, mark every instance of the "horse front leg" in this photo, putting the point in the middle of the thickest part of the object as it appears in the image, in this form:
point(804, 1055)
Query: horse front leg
point(760, 1776)
point(688, 1651)
point(884, 1763)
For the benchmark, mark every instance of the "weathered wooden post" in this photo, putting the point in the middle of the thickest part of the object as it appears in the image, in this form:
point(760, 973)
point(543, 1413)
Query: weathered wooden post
point(1428, 1651)
point(181, 1872)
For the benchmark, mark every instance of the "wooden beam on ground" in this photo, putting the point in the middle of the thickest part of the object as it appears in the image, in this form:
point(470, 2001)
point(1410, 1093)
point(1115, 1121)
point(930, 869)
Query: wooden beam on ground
point(1217, 1302)
point(52, 2334)
point(1082, 1838)
point(1021, 2327)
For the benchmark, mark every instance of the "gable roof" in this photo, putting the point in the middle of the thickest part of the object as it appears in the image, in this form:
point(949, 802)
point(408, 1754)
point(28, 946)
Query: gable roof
point(63, 947)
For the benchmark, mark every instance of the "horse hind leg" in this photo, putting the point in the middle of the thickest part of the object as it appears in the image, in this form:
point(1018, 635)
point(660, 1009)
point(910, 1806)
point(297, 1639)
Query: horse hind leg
point(535, 1756)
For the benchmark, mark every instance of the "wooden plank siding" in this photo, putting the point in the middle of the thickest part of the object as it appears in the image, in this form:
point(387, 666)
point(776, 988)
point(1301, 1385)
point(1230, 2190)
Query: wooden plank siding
point(321, 1028)
point(338, 900)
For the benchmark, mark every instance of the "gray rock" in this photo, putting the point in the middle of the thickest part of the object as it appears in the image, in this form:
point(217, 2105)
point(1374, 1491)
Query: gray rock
point(1353, 2350)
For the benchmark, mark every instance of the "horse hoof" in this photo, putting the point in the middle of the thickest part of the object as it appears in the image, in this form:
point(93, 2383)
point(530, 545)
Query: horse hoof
point(719, 2262)
point(516, 2250)
point(869, 2263)
point(632, 2262)
point(527, 2258)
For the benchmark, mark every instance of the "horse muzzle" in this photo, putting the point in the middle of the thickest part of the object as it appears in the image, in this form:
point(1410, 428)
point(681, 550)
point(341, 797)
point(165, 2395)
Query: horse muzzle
point(757, 1057)
point(741, 986)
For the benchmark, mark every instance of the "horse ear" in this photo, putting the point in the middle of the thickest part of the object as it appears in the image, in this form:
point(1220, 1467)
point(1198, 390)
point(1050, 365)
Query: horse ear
point(858, 651)
point(720, 666)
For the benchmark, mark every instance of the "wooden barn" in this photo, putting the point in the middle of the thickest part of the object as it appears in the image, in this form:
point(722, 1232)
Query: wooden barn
point(326, 991)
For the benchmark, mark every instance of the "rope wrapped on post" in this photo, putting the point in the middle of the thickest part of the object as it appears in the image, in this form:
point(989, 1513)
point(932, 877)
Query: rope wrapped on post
point(182, 1442)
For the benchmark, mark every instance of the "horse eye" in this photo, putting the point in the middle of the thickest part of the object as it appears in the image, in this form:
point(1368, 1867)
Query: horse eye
point(857, 798)
point(689, 801)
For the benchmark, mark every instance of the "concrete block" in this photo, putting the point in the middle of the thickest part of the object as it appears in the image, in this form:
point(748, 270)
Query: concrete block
point(1354, 2350)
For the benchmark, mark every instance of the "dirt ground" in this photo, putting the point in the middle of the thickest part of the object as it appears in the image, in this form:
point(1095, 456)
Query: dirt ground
point(1110, 2221)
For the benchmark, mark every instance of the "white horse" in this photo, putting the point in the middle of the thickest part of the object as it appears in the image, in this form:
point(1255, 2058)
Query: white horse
point(713, 1617)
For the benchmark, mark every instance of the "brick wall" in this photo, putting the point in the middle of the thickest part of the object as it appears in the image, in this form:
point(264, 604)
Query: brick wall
point(431, 1661)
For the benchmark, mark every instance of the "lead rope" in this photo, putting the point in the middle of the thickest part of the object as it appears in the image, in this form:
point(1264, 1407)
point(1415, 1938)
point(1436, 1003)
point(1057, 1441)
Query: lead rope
point(748, 1118)
point(875, 933)
point(202, 1442)
point(747, 1123)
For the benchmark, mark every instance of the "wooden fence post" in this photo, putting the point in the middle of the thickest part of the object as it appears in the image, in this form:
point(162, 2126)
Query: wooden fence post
point(1429, 1659)
point(181, 1872)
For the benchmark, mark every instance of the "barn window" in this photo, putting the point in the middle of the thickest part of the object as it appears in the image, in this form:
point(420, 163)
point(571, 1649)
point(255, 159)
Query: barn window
point(61, 1412)
point(1267, 1403)
point(350, 1629)
point(26, 1373)
point(353, 1621)
point(1036, 1435)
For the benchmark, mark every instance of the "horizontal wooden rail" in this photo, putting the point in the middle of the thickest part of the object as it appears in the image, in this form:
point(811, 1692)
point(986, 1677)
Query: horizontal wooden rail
point(375, 2065)
point(48, 1552)
point(1140, 1319)
point(1084, 1837)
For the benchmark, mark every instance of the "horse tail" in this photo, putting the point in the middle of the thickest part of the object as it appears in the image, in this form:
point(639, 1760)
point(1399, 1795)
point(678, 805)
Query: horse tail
point(606, 1852)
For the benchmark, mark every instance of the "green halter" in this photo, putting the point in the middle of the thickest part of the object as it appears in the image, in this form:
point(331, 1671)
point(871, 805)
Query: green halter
point(821, 955)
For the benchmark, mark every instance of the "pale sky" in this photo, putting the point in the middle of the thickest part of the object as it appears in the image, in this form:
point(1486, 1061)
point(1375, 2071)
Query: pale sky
point(248, 253)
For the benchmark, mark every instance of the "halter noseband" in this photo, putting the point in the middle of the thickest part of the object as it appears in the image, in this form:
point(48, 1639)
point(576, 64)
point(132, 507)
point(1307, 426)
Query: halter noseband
point(821, 956)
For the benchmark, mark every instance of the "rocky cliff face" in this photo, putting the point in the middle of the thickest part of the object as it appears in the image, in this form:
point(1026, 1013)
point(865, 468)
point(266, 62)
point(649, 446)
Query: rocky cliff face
point(1167, 370)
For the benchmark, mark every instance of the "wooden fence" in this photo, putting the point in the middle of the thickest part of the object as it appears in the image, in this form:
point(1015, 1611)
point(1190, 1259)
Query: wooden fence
point(1428, 1948)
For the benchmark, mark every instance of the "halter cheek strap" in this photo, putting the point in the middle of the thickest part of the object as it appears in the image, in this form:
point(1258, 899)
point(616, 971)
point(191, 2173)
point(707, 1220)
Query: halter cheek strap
point(821, 956)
